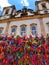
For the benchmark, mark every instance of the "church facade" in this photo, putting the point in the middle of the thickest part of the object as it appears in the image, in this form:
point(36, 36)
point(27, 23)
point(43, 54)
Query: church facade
point(26, 20)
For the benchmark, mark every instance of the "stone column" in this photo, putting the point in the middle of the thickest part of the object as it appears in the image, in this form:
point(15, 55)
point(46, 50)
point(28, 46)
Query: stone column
point(7, 27)
point(10, 11)
point(18, 30)
point(4, 12)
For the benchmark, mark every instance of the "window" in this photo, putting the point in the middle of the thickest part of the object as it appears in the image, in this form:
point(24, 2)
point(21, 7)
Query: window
point(23, 29)
point(7, 11)
point(13, 30)
point(33, 29)
point(44, 5)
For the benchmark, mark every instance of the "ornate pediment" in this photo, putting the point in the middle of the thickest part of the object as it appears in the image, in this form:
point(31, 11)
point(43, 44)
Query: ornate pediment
point(24, 12)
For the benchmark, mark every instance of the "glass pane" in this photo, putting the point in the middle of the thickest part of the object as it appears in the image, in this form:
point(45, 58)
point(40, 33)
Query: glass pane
point(13, 30)
point(7, 11)
point(33, 30)
point(22, 33)
point(23, 29)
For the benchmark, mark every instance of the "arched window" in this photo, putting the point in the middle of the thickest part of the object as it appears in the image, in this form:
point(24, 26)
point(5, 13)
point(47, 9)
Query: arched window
point(13, 29)
point(44, 5)
point(33, 28)
point(23, 29)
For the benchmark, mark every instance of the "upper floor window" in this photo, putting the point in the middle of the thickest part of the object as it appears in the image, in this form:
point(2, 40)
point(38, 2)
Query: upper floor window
point(44, 5)
point(5, 11)
point(23, 29)
point(13, 29)
point(33, 29)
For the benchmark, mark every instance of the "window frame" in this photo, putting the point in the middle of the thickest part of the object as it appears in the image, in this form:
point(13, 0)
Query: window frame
point(43, 5)
point(7, 11)
point(13, 27)
point(21, 30)
point(33, 25)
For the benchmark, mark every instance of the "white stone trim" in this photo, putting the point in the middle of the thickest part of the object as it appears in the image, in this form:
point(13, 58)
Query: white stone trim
point(4, 26)
point(47, 5)
point(26, 22)
point(10, 10)
point(4, 12)
point(18, 15)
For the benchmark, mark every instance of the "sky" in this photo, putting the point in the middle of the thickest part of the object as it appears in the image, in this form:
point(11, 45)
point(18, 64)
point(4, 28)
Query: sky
point(18, 4)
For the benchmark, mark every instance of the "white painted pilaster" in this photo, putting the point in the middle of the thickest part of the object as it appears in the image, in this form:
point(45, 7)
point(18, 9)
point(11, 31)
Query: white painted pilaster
point(10, 11)
point(18, 30)
point(4, 12)
point(28, 31)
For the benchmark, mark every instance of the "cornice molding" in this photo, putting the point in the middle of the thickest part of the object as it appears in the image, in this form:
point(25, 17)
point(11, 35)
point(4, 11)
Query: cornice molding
point(25, 18)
